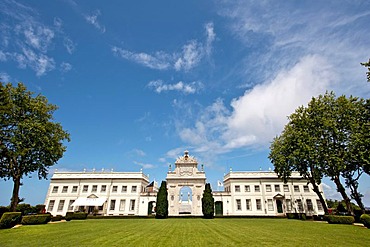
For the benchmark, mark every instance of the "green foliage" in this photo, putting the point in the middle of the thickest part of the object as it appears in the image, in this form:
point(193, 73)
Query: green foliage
point(368, 69)
point(330, 137)
point(208, 202)
point(36, 219)
point(75, 216)
point(57, 218)
point(162, 202)
point(10, 219)
point(69, 216)
point(336, 219)
point(365, 219)
point(30, 141)
point(3, 210)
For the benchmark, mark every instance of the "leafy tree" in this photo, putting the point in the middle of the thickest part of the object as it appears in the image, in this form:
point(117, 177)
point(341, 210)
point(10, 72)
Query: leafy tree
point(30, 141)
point(329, 137)
point(368, 69)
point(208, 203)
point(162, 202)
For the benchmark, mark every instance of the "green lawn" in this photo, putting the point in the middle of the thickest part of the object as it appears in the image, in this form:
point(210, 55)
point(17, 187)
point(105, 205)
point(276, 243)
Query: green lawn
point(186, 232)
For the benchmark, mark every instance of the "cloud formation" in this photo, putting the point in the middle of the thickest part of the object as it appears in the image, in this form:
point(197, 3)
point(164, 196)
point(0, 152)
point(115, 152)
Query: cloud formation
point(93, 20)
point(190, 56)
point(191, 88)
point(253, 119)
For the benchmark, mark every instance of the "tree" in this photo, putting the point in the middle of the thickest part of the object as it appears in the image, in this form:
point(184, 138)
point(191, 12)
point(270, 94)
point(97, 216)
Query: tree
point(329, 137)
point(208, 203)
point(162, 202)
point(368, 69)
point(30, 141)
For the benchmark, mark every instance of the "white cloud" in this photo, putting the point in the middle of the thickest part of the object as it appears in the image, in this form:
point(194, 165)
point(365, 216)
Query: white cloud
point(190, 56)
point(69, 45)
point(93, 19)
point(38, 37)
point(65, 67)
point(190, 88)
point(4, 77)
point(2, 56)
point(157, 61)
point(261, 113)
point(145, 165)
point(139, 152)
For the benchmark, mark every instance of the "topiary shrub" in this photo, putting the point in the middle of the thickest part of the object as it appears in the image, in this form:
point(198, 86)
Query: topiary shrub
point(291, 216)
point(57, 218)
point(336, 219)
point(69, 216)
point(36, 219)
point(10, 219)
point(365, 218)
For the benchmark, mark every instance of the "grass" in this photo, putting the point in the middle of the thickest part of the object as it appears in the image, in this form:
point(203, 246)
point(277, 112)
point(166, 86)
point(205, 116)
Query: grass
point(186, 232)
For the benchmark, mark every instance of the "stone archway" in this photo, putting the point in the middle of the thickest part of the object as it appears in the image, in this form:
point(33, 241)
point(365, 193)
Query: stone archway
point(185, 186)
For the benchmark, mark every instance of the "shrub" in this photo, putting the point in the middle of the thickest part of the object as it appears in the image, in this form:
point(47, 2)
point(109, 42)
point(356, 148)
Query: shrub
point(3, 210)
point(10, 219)
point(365, 218)
point(36, 219)
point(291, 216)
point(57, 218)
point(75, 216)
point(335, 219)
point(69, 216)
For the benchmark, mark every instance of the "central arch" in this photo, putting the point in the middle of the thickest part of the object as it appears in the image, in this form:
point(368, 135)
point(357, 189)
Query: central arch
point(185, 186)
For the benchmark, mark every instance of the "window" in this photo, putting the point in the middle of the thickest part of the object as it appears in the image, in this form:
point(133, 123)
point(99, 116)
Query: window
point(286, 188)
point(305, 188)
point(70, 207)
point(309, 205)
point(247, 188)
point(65, 189)
point(122, 205)
point(103, 188)
point(248, 203)
point(277, 188)
point(288, 205)
point(257, 188)
point(296, 188)
point(132, 205)
point(237, 188)
point(61, 205)
point(300, 206)
point(319, 205)
point(124, 189)
point(258, 204)
point(270, 205)
point(114, 188)
point(55, 189)
point(112, 204)
point(85, 188)
point(268, 187)
point(94, 188)
point(74, 189)
point(134, 189)
point(238, 204)
point(51, 205)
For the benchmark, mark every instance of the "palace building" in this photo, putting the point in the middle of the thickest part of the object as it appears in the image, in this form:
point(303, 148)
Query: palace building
point(107, 193)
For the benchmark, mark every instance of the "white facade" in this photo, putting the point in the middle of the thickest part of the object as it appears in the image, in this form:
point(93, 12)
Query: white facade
point(104, 193)
point(129, 193)
point(264, 194)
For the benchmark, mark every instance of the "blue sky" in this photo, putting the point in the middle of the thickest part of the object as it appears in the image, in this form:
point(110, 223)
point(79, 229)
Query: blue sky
point(139, 82)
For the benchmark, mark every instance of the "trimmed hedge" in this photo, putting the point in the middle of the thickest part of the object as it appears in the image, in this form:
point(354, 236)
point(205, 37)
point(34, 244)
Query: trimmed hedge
point(10, 219)
point(298, 216)
point(36, 219)
point(57, 218)
point(75, 216)
point(336, 219)
point(365, 218)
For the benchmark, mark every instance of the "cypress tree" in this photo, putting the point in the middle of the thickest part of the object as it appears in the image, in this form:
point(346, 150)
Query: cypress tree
point(208, 203)
point(162, 202)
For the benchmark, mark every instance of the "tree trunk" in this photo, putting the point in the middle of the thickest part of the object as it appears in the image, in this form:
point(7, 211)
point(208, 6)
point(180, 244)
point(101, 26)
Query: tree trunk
point(321, 198)
point(356, 195)
point(342, 191)
point(15, 197)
